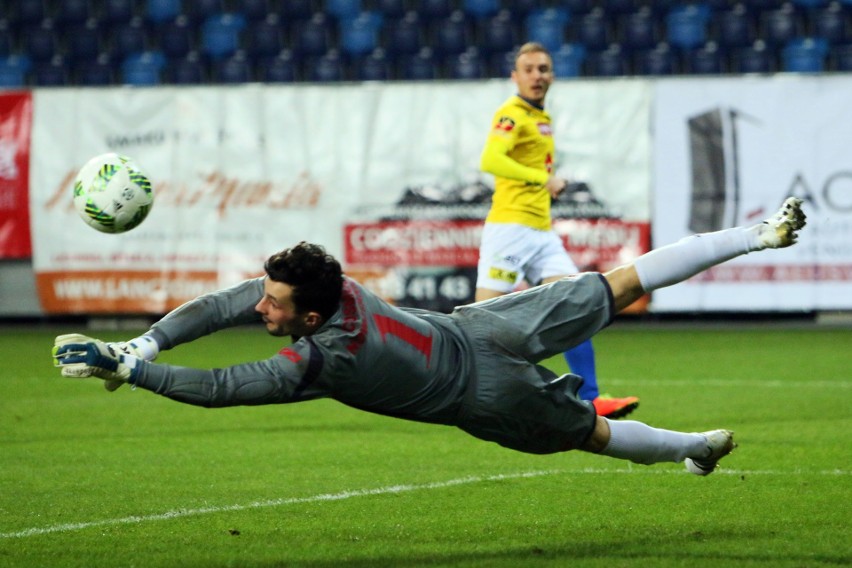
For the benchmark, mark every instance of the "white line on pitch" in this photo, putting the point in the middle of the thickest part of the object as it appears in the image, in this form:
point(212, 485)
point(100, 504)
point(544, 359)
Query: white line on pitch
point(405, 488)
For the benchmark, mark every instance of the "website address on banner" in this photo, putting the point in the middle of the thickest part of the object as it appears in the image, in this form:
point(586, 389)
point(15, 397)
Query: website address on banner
point(130, 288)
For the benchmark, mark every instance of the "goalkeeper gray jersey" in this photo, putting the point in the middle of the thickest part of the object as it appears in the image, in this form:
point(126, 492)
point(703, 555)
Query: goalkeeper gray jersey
point(370, 355)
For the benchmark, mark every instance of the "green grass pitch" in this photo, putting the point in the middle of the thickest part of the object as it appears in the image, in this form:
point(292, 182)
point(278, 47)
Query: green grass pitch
point(91, 478)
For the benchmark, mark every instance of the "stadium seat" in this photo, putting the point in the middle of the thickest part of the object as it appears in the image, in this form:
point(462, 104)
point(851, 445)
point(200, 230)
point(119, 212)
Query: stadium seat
point(220, 35)
point(53, 73)
point(809, 4)
point(312, 38)
point(434, 9)
point(280, 69)
point(14, 70)
point(359, 35)
point(235, 69)
point(501, 64)
point(404, 36)
point(115, 12)
point(450, 36)
point(805, 55)
point(28, 12)
point(657, 61)
point(84, 41)
point(497, 34)
point(374, 67)
point(547, 27)
point(73, 12)
point(298, 10)
point(200, 11)
point(391, 9)
point(8, 39)
point(755, 58)
point(480, 9)
point(158, 11)
point(40, 43)
point(468, 65)
point(264, 38)
point(705, 60)
point(610, 62)
point(568, 60)
point(733, 28)
point(143, 69)
point(593, 30)
point(420, 66)
point(778, 27)
point(686, 26)
point(176, 38)
point(833, 23)
point(97, 73)
point(615, 7)
point(574, 7)
point(188, 70)
point(254, 10)
point(840, 57)
point(342, 9)
point(327, 68)
point(128, 38)
point(638, 30)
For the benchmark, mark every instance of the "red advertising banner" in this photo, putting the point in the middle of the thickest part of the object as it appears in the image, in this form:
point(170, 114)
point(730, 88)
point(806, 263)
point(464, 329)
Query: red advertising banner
point(15, 124)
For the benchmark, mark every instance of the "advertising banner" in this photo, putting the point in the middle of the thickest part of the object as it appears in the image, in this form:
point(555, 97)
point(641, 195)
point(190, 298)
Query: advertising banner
point(15, 122)
point(727, 153)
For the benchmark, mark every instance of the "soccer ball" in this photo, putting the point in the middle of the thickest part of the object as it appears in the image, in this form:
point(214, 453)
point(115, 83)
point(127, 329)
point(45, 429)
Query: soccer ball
point(112, 194)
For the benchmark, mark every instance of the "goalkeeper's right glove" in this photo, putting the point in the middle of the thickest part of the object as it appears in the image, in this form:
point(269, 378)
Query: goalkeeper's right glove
point(80, 356)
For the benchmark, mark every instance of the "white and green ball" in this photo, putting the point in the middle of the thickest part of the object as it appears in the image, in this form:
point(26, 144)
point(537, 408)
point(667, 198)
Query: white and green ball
point(112, 194)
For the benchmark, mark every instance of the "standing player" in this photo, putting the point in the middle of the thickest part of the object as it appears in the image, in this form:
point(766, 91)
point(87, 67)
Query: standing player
point(476, 368)
point(518, 242)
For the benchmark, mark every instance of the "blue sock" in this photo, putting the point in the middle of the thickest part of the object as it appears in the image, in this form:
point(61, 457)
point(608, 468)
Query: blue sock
point(581, 359)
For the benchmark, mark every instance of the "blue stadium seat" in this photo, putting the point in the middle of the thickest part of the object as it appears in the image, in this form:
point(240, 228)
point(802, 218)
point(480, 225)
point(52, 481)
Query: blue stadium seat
point(143, 69)
point(577, 7)
point(220, 35)
point(53, 73)
point(29, 12)
point(451, 36)
point(833, 23)
point(117, 11)
point(312, 37)
point(281, 69)
point(810, 4)
point(756, 58)
point(343, 9)
point(468, 66)
point(235, 69)
point(41, 43)
point(480, 9)
point(421, 66)
point(264, 38)
point(176, 38)
point(841, 57)
point(14, 70)
point(254, 10)
point(734, 27)
point(778, 27)
point(359, 35)
point(188, 70)
point(200, 11)
point(805, 55)
point(638, 30)
point(375, 67)
point(157, 11)
point(657, 61)
point(97, 73)
point(404, 36)
point(502, 64)
point(327, 68)
point(686, 26)
point(434, 9)
point(568, 60)
point(705, 60)
point(73, 12)
point(615, 7)
point(611, 62)
point(497, 34)
point(548, 27)
point(593, 30)
point(84, 41)
point(128, 38)
point(298, 10)
point(391, 9)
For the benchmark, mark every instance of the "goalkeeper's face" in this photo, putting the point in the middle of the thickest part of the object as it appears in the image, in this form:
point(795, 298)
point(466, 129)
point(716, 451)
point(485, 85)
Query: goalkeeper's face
point(279, 312)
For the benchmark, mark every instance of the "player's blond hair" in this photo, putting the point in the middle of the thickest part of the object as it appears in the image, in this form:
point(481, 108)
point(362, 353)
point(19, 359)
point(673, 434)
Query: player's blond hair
point(531, 47)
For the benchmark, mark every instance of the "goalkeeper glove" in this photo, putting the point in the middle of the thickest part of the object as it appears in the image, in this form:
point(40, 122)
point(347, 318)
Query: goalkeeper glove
point(80, 356)
point(143, 347)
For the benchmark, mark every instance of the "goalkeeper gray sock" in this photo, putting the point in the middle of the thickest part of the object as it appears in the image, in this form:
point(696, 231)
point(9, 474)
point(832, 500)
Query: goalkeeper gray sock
point(640, 443)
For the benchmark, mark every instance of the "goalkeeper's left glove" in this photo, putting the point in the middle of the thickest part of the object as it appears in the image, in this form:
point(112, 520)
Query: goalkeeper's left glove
point(80, 356)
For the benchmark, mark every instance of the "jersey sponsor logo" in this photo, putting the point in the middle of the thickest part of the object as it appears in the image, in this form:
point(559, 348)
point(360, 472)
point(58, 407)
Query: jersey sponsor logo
point(503, 275)
point(290, 354)
point(505, 124)
point(544, 129)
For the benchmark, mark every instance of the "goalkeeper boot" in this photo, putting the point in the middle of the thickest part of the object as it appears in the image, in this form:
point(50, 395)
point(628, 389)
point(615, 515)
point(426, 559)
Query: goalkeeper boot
point(779, 231)
point(613, 408)
point(720, 443)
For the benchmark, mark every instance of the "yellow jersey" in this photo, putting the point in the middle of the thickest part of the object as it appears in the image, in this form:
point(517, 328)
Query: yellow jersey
point(519, 153)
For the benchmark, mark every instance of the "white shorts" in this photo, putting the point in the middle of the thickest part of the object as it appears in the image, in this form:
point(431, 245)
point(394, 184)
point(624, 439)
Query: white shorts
point(510, 253)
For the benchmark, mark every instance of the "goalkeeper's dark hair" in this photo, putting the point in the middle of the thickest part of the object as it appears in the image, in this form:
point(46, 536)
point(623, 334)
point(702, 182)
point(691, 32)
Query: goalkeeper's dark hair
point(315, 275)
